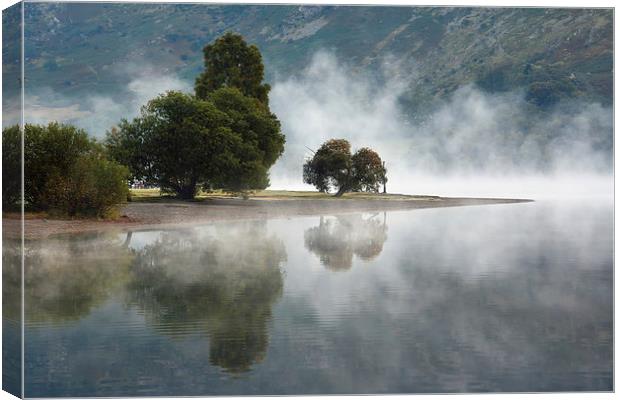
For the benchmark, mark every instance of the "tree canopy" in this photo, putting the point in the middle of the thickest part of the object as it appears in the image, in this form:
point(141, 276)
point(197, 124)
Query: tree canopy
point(231, 62)
point(180, 141)
point(334, 168)
point(368, 170)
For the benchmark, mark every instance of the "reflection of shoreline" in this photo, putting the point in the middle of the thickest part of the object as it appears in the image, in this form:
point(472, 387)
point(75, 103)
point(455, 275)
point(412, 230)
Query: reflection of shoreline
point(336, 240)
point(172, 213)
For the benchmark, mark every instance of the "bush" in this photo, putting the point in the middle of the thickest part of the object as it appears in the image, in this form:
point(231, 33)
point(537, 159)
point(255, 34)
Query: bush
point(66, 172)
point(93, 187)
point(50, 150)
point(11, 167)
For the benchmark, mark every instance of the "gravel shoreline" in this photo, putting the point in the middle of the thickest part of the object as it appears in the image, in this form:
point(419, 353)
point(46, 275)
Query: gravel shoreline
point(172, 213)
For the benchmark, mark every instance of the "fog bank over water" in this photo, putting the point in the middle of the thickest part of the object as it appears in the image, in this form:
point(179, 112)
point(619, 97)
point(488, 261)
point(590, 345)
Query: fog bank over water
point(472, 144)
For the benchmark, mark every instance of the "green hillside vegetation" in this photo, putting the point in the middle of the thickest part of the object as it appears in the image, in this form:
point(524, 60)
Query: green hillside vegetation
point(552, 54)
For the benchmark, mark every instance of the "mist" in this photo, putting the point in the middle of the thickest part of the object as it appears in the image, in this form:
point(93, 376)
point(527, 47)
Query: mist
point(472, 144)
point(98, 113)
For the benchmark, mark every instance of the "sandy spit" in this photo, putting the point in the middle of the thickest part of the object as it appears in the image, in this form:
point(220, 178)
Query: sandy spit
point(171, 213)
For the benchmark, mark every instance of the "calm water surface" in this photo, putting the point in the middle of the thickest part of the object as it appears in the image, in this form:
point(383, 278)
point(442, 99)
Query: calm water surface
point(488, 298)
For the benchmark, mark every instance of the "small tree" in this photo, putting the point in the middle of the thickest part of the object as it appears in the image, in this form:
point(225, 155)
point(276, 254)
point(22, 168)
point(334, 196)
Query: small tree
point(368, 170)
point(330, 168)
point(231, 62)
point(334, 168)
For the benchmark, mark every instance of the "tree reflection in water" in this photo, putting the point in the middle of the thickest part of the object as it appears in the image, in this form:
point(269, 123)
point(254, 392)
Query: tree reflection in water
point(336, 240)
point(226, 281)
point(65, 277)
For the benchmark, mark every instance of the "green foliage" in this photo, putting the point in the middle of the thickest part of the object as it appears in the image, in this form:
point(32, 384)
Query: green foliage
point(330, 167)
point(50, 150)
point(65, 171)
point(230, 62)
point(180, 141)
point(11, 166)
point(333, 167)
point(261, 141)
point(173, 143)
point(368, 170)
point(93, 187)
point(223, 137)
point(545, 94)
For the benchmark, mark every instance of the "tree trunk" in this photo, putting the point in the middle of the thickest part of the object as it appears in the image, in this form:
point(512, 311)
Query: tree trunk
point(187, 192)
point(341, 191)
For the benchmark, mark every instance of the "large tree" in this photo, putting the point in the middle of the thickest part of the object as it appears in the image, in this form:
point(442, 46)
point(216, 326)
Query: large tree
point(223, 137)
point(231, 62)
point(180, 142)
point(334, 168)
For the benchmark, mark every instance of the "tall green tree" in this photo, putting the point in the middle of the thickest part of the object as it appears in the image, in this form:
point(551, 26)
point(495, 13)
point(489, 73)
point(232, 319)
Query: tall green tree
point(332, 167)
point(231, 62)
point(175, 143)
point(223, 137)
point(181, 142)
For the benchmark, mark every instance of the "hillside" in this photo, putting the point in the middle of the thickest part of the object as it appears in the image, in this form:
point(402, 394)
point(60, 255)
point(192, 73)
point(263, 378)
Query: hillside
point(550, 53)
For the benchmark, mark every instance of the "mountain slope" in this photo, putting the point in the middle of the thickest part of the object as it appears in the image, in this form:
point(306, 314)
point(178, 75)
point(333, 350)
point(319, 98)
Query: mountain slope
point(551, 54)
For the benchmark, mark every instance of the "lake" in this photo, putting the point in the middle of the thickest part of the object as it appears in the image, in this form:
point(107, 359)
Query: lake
point(515, 297)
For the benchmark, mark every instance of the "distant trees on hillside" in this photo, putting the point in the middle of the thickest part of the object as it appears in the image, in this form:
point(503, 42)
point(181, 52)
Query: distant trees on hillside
point(224, 136)
point(332, 167)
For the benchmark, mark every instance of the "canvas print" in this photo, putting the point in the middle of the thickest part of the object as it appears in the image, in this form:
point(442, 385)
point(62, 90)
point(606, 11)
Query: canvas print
point(224, 199)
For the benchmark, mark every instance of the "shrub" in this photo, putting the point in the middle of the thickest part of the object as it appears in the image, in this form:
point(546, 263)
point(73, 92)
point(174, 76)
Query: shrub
point(50, 150)
point(93, 187)
point(66, 172)
point(11, 167)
